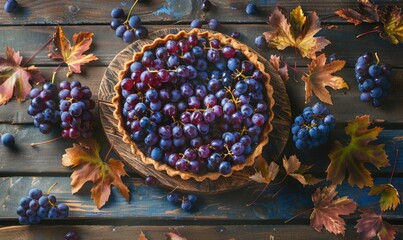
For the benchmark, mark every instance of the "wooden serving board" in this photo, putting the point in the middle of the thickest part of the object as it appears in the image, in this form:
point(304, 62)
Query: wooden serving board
point(277, 138)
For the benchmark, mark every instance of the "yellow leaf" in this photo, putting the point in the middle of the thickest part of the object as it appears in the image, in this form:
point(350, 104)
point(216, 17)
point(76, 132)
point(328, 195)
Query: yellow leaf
point(389, 196)
point(392, 24)
point(298, 33)
point(320, 76)
point(88, 166)
point(352, 157)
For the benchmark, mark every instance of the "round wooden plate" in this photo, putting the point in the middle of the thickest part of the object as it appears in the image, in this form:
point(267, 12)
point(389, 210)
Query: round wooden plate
point(277, 138)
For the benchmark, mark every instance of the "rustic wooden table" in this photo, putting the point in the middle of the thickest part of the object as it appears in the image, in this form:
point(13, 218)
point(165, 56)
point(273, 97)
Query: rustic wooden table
point(223, 216)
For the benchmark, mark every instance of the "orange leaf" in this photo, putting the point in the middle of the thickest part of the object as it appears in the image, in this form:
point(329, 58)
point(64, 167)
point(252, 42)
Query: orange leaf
point(371, 225)
point(174, 236)
point(327, 210)
point(320, 76)
point(72, 55)
point(88, 166)
point(298, 32)
point(294, 169)
point(14, 79)
point(368, 12)
point(142, 236)
point(352, 157)
point(282, 71)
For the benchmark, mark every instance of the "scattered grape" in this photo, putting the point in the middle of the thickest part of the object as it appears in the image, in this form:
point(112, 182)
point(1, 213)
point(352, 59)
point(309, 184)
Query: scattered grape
point(260, 42)
point(8, 140)
point(206, 5)
point(251, 9)
point(196, 23)
point(10, 6)
point(71, 235)
point(213, 24)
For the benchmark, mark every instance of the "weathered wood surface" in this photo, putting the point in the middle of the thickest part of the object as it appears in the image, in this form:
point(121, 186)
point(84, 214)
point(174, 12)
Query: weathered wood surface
point(150, 204)
point(278, 137)
point(106, 45)
point(220, 232)
point(98, 11)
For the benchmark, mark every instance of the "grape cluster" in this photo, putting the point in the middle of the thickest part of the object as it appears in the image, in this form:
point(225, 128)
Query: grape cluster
point(43, 107)
point(311, 129)
point(75, 110)
point(37, 206)
point(187, 203)
point(373, 79)
point(197, 105)
point(128, 29)
point(71, 107)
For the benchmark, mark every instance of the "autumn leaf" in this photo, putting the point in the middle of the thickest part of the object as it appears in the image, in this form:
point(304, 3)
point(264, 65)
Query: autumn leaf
point(282, 71)
point(174, 236)
point(368, 12)
point(352, 157)
point(14, 78)
point(294, 169)
point(88, 166)
point(264, 173)
point(72, 55)
point(371, 225)
point(320, 76)
point(392, 24)
point(298, 32)
point(142, 236)
point(327, 210)
point(389, 196)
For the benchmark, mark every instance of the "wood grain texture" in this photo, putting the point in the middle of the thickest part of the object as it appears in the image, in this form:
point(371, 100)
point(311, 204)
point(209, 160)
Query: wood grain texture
point(148, 204)
point(106, 45)
point(238, 232)
point(41, 12)
point(277, 138)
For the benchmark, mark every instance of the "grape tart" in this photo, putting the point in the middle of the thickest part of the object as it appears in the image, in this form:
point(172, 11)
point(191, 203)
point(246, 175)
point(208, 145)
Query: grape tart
point(185, 42)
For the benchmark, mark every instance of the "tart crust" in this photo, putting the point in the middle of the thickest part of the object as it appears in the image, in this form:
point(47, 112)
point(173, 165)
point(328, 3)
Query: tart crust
point(160, 166)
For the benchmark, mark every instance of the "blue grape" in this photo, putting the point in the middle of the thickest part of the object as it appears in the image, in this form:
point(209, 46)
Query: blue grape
point(260, 42)
point(225, 168)
point(10, 6)
point(192, 198)
point(134, 21)
point(186, 205)
point(173, 198)
point(251, 9)
point(120, 30)
point(117, 13)
point(35, 193)
point(196, 23)
point(8, 140)
point(213, 24)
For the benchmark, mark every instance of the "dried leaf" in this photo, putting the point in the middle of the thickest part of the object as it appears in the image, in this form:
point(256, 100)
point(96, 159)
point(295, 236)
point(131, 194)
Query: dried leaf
point(142, 236)
point(174, 236)
point(371, 225)
point(294, 169)
point(389, 196)
point(264, 173)
point(320, 76)
point(368, 12)
point(299, 32)
point(392, 24)
point(14, 79)
point(282, 71)
point(72, 55)
point(352, 157)
point(327, 210)
point(88, 166)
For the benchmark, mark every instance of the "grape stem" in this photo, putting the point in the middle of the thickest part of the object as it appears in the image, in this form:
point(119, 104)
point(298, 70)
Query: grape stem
point(377, 59)
point(45, 142)
point(130, 12)
point(51, 187)
point(394, 166)
point(40, 50)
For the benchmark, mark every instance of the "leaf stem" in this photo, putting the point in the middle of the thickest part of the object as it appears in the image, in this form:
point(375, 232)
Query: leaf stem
point(300, 213)
point(374, 30)
point(131, 9)
point(45, 142)
point(40, 50)
point(394, 166)
point(260, 194)
point(107, 154)
point(54, 72)
point(282, 180)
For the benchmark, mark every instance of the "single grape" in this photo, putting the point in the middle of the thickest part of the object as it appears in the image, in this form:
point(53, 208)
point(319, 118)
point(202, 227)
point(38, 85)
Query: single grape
point(134, 21)
point(173, 198)
point(71, 235)
point(251, 9)
point(35, 193)
point(213, 24)
point(128, 36)
point(10, 6)
point(196, 24)
point(206, 5)
point(235, 35)
point(186, 205)
point(260, 42)
point(192, 198)
point(8, 140)
point(117, 13)
point(150, 180)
